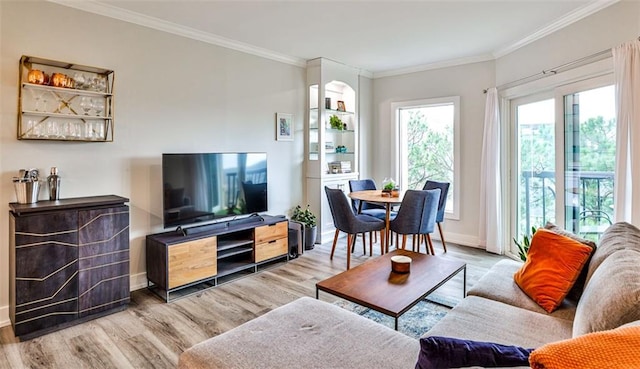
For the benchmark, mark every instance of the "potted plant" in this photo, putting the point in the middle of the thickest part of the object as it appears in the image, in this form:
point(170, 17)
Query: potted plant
point(523, 247)
point(308, 219)
point(389, 187)
point(336, 123)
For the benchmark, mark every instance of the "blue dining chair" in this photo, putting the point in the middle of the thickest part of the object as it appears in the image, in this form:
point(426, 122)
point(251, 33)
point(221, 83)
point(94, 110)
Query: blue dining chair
point(375, 210)
point(442, 203)
point(417, 217)
point(345, 220)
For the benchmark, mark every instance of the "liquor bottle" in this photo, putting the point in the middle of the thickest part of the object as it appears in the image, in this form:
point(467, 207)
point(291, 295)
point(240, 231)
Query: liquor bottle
point(53, 180)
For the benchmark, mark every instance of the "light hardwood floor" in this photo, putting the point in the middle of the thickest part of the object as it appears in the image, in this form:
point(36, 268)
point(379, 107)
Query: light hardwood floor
point(152, 334)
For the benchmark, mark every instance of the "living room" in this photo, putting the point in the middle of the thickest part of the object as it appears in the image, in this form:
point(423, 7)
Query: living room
point(175, 94)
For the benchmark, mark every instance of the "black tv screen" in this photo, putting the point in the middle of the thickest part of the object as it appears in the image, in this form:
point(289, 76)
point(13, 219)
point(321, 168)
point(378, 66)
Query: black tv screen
point(203, 187)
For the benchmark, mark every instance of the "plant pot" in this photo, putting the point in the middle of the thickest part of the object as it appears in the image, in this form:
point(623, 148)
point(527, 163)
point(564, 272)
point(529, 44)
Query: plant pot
point(310, 234)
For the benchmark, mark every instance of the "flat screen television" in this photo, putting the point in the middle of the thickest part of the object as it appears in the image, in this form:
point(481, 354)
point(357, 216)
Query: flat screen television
point(204, 187)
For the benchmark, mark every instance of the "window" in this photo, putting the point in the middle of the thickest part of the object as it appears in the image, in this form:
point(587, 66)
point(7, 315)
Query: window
point(564, 149)
point(427, 145)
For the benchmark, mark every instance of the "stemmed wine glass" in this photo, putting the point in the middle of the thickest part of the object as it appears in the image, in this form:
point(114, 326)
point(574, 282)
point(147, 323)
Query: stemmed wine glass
point(86, 104)
point(37, 96)
point(44, 101)
point(98, 106)
point(101, 84)
point(80, 81)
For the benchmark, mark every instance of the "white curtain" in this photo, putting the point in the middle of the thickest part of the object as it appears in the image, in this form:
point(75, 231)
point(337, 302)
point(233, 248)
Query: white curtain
point(626, 71)
point(490, 191)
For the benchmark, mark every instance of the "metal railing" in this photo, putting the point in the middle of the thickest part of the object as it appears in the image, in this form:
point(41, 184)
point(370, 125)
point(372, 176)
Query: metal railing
point(593, 191)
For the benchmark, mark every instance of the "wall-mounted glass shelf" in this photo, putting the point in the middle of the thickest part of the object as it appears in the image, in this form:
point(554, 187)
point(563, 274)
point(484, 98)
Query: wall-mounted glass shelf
point(81, 111)
point(337, 112)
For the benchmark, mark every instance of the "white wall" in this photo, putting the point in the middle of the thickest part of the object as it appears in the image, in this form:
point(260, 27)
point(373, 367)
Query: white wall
point(601, 31)
point(172, 94)
point(367, 131)
point(466, 81)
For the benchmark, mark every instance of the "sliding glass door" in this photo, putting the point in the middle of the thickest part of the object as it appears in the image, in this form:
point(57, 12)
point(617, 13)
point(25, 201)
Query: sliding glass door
point(589, 160)
point(571, 128)
point(535, 200)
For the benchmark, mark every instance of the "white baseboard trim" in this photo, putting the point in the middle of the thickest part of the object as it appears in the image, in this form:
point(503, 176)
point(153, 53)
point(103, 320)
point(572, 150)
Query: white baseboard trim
point(137, 281)
point(459, 239)
point(4, 316)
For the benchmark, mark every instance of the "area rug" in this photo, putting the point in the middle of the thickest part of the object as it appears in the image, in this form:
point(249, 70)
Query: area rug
point(414, 323)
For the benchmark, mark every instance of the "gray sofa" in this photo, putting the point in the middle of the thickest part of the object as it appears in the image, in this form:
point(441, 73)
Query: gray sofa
point(308, 333)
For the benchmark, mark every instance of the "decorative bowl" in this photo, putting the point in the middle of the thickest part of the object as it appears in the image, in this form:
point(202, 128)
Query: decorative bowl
point(400, 264)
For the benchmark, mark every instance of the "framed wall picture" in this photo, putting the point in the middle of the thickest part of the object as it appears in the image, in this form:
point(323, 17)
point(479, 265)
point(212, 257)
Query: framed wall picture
point(341, 106)
point(284, 127)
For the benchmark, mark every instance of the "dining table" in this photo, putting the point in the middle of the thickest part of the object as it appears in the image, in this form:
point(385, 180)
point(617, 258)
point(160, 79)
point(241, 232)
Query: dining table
point(382, 198)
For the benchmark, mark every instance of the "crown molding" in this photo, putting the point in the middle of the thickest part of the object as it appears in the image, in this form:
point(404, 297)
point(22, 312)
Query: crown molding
point(437, 65)
point(176, 29)
point(188, 32)
point(559, 24)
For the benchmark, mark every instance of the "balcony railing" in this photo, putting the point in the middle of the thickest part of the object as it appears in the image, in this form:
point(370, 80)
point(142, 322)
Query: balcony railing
point(588, 206)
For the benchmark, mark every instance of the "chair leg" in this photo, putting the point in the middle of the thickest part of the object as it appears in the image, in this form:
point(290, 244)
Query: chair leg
point(350, 246)
point(444, 246)
point(414, 243)
point(371, 243)
point(364, 243)
point(423, 238)
point(430, 244)
point(382, 241)
point(404, 242)
point(335, 240)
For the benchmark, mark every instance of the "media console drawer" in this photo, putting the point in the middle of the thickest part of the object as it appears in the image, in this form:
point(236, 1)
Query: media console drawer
point(271, 232)
point(271, 241)
point(192, 261)
point(271, 249)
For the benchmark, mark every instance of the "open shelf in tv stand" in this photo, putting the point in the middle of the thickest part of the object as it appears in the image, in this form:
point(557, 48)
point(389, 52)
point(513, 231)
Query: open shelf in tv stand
point(182, 263)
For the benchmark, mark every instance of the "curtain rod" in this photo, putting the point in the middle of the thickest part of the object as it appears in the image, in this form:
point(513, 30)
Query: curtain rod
point(550, 72)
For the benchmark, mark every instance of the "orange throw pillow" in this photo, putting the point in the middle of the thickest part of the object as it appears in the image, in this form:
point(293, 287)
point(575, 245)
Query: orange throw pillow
point(616, 348)
point(552, 267)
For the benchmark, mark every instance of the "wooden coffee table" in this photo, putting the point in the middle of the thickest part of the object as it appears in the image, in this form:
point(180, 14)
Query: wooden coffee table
point(375, 286)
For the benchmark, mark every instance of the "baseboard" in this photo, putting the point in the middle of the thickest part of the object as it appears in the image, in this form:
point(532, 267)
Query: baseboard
point(137, 281)
point(4, 316)
point(459, 239)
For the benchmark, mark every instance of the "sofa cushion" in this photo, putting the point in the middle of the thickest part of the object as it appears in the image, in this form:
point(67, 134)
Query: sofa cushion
point(498, 284)
point(479, 319)
point(305, 333)
point(612, 295)
point(617, 348)
point(576, 291)
point(447, 352)
point(620, 236)
point(552, 267)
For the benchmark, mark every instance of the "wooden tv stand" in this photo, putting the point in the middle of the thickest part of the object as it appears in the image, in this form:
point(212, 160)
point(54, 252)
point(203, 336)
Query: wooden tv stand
point(183, 263)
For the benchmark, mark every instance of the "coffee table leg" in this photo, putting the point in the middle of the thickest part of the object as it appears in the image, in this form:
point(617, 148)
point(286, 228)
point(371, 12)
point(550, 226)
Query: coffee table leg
point(316, 292)
point(396, 323)
point(464, 282)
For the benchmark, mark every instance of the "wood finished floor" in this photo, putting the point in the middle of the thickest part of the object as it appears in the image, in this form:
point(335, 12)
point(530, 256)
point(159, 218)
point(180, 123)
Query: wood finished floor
point(152, 334)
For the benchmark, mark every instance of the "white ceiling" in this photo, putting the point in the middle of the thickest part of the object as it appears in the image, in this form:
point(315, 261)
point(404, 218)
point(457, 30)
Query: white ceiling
point(381, 37)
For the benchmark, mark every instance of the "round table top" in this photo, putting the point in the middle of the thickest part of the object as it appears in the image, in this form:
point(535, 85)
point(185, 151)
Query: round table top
point(376, 196)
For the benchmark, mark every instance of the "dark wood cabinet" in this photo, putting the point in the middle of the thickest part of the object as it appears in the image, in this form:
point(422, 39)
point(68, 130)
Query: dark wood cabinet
point(181, 264)
point(69, 262)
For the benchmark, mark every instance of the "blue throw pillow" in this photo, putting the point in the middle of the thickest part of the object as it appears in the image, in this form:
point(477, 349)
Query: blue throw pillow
point(445, 352)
